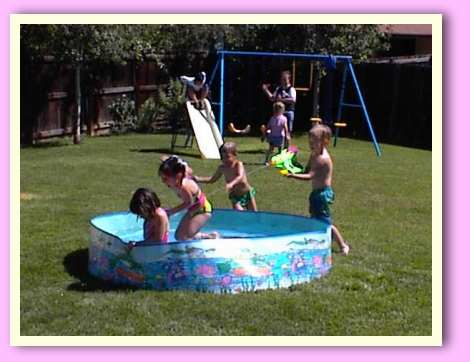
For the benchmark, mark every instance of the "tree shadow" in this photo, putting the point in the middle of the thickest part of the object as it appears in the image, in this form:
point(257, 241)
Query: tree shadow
point(253, 152)
point(165, 151)
point(48, 144)
point(261, 163)
point(76, 264)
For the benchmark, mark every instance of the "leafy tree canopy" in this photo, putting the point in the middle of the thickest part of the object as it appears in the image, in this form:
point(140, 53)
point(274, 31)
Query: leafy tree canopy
point(118, 43)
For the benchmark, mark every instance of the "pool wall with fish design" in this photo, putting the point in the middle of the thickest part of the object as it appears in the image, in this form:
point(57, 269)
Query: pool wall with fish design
point(257, 250)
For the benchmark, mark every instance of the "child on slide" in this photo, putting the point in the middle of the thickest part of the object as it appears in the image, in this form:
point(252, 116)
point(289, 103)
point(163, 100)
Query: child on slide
point(241, 194)
point(197, 89)
point(173, 172)
point(145, 203)
point(321, 172)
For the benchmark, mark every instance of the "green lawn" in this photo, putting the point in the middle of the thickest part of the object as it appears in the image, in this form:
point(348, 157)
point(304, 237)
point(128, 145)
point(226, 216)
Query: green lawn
point(383, 207)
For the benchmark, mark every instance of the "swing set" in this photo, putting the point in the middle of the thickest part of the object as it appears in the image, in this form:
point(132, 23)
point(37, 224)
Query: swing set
point(330, 62)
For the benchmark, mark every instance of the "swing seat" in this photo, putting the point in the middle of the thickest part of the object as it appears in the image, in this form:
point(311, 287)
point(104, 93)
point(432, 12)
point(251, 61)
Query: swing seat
point(234, 130)
point(338, 125)
point(315, 120)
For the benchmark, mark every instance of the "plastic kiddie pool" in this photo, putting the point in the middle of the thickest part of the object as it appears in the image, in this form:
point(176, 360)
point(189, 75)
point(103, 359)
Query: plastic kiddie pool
point(257, 250)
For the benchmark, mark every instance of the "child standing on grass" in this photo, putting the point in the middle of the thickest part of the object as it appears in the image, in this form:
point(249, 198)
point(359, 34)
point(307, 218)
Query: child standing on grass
point(145, 203)
point(241, 194)
point(277, 131)
point(173, 172)
point(321, 172)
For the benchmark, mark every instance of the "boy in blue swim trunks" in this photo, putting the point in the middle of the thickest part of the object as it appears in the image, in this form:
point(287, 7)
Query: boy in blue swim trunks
point(241, 194)
point(321, 172)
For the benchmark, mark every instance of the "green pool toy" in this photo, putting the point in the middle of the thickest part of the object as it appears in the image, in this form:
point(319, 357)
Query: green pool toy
point(286, 160)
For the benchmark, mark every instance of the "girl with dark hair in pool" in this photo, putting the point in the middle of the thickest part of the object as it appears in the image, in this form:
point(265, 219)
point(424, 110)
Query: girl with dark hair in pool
point(145, 203)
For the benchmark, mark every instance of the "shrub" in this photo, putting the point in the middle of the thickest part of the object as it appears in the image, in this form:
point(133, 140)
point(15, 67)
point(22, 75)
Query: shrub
point(170, 105)
point(147, 116)
point(122, 110)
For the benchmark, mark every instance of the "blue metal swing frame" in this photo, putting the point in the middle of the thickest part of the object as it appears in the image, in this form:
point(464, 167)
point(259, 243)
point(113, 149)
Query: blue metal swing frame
point(349, 69)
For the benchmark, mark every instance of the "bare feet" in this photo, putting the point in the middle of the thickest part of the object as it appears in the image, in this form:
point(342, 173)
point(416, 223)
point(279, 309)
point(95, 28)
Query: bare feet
point(211, 235)
point(214, 235)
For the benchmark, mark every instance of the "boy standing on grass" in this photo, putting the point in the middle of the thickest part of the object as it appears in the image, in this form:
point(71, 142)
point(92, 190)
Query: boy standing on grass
point(321, 172)
point(241, 194)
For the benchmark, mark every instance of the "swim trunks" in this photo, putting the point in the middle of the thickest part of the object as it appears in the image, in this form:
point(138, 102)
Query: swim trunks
point(319, 202)
point(244, 199)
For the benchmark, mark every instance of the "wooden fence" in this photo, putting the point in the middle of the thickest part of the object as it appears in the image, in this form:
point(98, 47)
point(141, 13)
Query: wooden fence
point(399, 101)
point(48, 96)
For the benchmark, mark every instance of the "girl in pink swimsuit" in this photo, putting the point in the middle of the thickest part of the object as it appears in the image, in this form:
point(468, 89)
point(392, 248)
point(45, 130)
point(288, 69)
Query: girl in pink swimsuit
point(174, 174)
point(145, 203)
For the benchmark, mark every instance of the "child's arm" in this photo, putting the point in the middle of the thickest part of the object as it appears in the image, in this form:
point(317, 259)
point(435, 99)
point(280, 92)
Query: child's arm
point(185, 195)
point(192, 94)
point(240, 172)
point(291, 98)
point(209, 180)
point(307, 175)
point(286, 130)
point(189, 172)
point(301, 176)
point(267, 92)
point(268, 126)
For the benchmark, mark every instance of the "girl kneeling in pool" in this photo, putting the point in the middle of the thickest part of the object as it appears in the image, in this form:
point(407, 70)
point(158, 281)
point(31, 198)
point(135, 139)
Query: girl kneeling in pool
point(145, 203)
point(199, 209)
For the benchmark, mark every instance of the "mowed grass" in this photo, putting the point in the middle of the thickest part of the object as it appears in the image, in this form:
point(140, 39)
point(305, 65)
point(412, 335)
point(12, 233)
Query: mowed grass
point(383, 207)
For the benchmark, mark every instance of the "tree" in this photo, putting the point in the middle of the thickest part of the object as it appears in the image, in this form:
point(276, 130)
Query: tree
point(359, 41)
point(82, 44)
point(79, 44)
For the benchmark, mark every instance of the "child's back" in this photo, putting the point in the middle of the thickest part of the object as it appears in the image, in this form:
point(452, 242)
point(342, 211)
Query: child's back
point(277, 125)
point(146, 204)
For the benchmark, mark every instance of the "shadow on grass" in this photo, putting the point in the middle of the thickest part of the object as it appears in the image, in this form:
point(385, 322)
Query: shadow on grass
point(165, 151)
point(48, 144)
point(76, 264)
point(254, 163)
point(258, 151)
